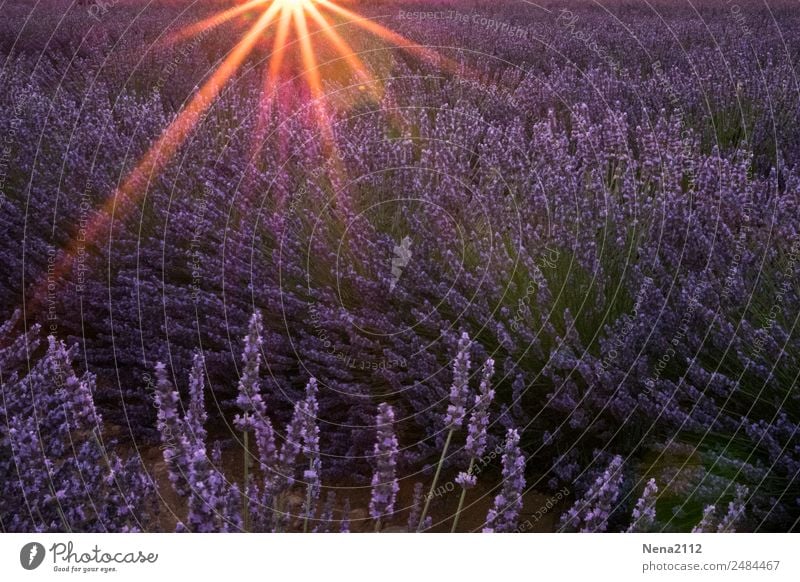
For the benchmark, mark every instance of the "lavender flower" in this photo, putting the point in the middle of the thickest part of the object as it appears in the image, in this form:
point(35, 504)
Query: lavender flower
point(176, 446)
point(736, 509)
point(416, 508)
point(54, 460)
point(326, 515)
point(459, 390)
point(384, 479)
point(205, 499)
point(503, 515)
point(476, 436)
point(232, 516)
point(196, 416)
point(708, 522)
point(249, 399)
point(479, 421)
point(265, 443)
point(311, 475)
point(291, 447)
point(591, 513)
point(644, 514)
point(302, 436)
point(311, 430)
point(466, 479)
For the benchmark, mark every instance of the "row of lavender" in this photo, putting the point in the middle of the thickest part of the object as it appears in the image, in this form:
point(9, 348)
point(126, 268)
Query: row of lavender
point(619, 237)
point(61, 474)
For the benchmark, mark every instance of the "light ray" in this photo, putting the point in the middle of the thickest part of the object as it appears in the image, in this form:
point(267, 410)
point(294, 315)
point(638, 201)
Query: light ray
point(162, 150)
point(292, 16)
point(279, 48)
point(382, 32)
point(344, 49)
point(269, 91)
point(314, 81)
point(214, 21)
point(312, 74)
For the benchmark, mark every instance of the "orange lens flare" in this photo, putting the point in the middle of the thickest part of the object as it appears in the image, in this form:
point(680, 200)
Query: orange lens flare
point(216, 20)
point(291, 17)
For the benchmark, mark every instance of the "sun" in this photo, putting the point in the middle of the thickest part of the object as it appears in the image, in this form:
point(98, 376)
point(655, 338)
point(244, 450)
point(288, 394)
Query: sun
point(290, 18)
point(292, 21)
point(293, 4)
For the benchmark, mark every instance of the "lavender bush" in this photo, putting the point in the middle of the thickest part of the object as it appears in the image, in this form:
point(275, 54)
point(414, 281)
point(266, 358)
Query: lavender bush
point(607, 212)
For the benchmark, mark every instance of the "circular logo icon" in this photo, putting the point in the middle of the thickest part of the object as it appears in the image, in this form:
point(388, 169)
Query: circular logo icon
point(31, 555)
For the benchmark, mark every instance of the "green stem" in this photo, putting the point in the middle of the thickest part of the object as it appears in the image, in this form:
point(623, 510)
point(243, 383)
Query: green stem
point(435, 479)
point(245, 503)
point(378, 525)
point(461, 500)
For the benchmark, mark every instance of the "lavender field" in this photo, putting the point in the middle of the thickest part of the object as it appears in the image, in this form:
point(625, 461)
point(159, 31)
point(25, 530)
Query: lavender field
point(389, 266)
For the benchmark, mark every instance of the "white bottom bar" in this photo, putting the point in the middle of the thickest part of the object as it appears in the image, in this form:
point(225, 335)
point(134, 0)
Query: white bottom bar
point(389, 557)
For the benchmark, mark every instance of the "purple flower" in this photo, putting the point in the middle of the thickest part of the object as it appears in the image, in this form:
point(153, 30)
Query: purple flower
point(291, 447)
point(265, 443)
point(196, 416)
point(591, 513)
point(54, 461)
point(311, 430)
point(302, 436)
point(384, 479)
point(249, 399)
point(326, 515)
point(708, 522)
point(176, 446)
point(735, 512)
point(205, 500)
point(466, 480)
point(479, 421)
point(459, 389)
point(644, 514)
point(416, 508)
point(503, 515)
point(669, 341)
